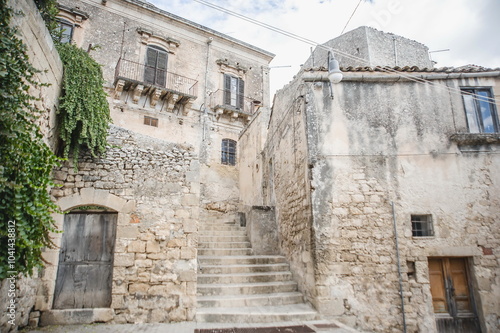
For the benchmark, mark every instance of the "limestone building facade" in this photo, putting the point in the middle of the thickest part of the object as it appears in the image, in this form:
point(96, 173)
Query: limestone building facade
point(385, 187)
point(179, 95)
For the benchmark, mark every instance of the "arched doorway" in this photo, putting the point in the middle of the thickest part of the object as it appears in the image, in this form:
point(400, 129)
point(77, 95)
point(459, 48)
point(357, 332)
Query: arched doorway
point(85, 269)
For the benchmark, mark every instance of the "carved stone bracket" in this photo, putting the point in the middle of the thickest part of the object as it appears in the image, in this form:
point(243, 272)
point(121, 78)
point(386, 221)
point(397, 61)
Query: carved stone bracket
point(137, 93)
point(155, 96)
point(119, 89)
point(172, 99)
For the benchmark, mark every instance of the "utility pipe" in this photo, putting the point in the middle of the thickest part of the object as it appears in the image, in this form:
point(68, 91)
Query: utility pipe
point(399, 268)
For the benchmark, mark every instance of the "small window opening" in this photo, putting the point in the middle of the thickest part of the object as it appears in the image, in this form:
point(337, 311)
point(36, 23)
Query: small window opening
point(150, 121)
point(228, 152)
point(421, 225)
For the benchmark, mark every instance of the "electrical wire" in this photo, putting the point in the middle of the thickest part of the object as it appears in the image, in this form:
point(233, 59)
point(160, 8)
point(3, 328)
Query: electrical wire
point(318, 45)
point(349, 20)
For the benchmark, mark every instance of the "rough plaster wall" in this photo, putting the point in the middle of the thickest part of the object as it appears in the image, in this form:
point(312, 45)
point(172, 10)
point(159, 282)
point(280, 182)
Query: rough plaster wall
point(370, 47)
point(286, 150)
point(154, 277)
point(378, 143)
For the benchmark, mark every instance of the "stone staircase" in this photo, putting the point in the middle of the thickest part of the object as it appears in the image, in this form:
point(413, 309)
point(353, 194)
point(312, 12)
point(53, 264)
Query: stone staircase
point(236, 286)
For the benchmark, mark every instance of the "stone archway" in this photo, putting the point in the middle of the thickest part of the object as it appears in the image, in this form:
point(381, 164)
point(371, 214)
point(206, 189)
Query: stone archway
point(85, 197)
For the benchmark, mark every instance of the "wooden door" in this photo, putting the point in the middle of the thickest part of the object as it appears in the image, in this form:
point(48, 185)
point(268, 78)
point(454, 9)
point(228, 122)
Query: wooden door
point(85, 269)
point(451, 296)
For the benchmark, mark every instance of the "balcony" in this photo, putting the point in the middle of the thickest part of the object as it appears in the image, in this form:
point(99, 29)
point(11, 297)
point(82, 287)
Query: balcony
point(238, 106)
point(158, 83)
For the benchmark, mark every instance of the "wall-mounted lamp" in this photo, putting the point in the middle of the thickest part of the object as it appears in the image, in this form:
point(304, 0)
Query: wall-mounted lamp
point(334, 73)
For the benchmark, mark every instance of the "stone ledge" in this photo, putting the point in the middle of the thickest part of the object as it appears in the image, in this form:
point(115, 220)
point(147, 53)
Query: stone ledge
point(475, 138)
point(76, 316)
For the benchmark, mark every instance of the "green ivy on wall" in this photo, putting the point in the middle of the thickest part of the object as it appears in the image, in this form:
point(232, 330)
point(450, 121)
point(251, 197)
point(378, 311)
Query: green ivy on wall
point(26, 162)
point(83, 110)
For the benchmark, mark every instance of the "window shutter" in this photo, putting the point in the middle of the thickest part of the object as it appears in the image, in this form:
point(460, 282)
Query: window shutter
point(161, 69)
point(149, 72)
point(241, 93)
point(227, 89)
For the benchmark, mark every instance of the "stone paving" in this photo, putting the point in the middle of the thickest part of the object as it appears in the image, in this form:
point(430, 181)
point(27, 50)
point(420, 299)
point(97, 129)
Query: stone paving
point(185, 327)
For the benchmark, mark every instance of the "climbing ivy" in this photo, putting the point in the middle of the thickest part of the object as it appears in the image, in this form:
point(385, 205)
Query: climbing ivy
point(26, 162)
point(83, 109)
point(49, 10)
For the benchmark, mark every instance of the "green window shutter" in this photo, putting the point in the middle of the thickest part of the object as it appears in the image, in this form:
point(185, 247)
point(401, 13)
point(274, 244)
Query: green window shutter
point(241, 93)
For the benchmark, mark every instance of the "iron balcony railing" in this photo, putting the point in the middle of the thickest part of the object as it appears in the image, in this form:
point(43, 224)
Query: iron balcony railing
point(223, 100)
point(141, 74)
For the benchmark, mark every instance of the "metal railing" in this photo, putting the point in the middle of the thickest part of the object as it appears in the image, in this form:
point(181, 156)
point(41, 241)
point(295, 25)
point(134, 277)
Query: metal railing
point(141, 74)
point(239, 103)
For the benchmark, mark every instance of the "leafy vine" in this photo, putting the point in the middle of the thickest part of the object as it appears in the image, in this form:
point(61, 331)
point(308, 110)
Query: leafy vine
point(83, 110)
point(26, 162)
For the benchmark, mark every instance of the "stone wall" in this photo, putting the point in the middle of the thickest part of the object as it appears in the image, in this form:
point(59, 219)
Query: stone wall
point(286, 185)
point(368, 146)
point(371, 47)
point(154, 186)
point(42, 56)
point(377, 143)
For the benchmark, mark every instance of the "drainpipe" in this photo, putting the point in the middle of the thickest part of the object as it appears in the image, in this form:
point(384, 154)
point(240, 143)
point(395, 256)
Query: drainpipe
point(399, 268)
point(205, 111)
point(395, 51)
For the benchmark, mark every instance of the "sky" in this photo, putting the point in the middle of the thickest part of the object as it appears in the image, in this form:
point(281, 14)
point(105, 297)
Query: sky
point(469, 29)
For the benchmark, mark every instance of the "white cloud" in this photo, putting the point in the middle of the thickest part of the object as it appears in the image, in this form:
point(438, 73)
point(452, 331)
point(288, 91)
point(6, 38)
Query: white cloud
point(465, 27)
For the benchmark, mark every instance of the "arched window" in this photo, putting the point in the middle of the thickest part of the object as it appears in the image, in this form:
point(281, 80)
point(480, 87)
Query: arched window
point(228, 152)
point(156, 66)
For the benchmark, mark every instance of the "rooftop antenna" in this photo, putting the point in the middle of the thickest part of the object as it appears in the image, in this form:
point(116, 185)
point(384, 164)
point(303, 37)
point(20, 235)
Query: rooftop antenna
point(430, 53)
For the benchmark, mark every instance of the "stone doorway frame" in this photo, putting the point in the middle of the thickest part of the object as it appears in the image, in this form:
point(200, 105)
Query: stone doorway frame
point(45, 297)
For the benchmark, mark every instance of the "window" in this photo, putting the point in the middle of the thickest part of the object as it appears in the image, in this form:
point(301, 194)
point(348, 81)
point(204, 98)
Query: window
point(421, 225)
point(234, 89)
point(150, 121)
point(228, 149)
point(156, 66)
point(66, 31)
point(480, 110)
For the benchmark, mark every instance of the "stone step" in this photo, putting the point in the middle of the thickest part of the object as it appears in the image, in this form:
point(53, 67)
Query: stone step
point(224, 245)
point(225, 252)
point(246, 288)
point(240, 260)
point(260, 314)
point(250, 300)
point(205, 239)
point(244, 277)
point(220, 227)
point(228, 269)
point(219, 233)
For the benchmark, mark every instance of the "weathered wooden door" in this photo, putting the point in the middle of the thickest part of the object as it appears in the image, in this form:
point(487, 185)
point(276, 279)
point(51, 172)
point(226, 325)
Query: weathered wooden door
point(85, 270)
point(451, 296)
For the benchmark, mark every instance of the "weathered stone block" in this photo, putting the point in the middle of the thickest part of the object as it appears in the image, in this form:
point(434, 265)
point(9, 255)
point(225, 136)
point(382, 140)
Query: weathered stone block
point(177, 242)
point(137, 246)
point(190, 226)
point(138, 288)
point(188, 276)
point(152, 246)
point(124, 259)
point(188, 252)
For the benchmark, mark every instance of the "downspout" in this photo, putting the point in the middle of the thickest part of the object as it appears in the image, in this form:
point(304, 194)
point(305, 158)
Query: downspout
point(205, 111)
point(395, 51)
point(399, 268)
